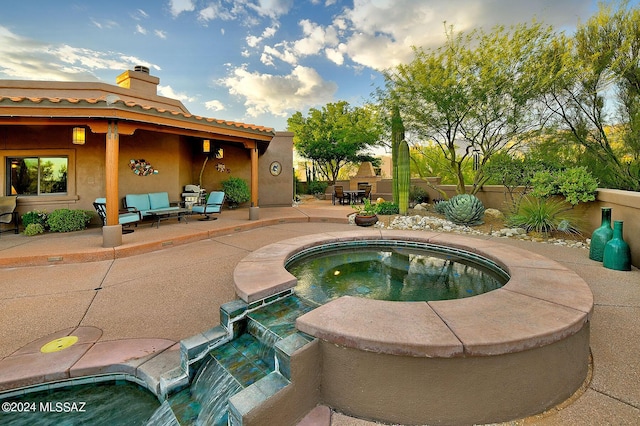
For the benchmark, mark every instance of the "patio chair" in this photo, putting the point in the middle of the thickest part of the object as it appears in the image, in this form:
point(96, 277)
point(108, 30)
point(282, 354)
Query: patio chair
point(339, 194)
point(125, 216)
point(8, 213)
point(365, 194)
point(213, 205)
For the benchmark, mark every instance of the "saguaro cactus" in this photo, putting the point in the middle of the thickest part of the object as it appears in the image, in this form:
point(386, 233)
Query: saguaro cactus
point(404, 177)
point(397, 136)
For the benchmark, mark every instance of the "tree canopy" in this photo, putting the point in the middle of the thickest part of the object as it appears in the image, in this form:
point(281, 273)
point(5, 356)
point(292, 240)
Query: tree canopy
point(594, 95)
point(475, 93)
point(335, 135)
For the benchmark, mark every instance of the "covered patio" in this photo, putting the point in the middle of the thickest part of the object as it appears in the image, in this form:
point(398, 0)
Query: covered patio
point(97, 131)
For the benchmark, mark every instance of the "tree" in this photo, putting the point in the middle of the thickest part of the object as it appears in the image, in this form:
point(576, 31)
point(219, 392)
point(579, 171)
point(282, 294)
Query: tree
point(595, 93)
point(335, 135)
point(476, 92)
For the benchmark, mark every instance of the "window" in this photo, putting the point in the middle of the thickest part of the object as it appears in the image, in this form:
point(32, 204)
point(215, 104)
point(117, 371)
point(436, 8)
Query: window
point(37, 175)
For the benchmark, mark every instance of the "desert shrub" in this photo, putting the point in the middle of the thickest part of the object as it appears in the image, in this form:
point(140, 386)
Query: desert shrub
point(576, 184)
point(418, 194)
point(236, 190)
point(387, 208)
point(65, 220)
point(544, 184)
point(35, 216)
point(33, 229)
point(316, 187)
point(545, 215)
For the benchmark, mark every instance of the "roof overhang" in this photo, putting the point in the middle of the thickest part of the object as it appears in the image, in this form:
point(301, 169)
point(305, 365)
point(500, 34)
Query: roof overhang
point(130, 116)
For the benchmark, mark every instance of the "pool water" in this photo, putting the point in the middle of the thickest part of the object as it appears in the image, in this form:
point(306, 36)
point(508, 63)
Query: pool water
point(389, 272)
point(109, 404)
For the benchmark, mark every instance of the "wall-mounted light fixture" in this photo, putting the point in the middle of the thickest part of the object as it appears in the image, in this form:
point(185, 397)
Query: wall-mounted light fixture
point(78, 137)
point(206, 146)
point(219, 153)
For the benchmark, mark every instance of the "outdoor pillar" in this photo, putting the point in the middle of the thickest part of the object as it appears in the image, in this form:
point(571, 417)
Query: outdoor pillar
point(112, 231)
point(253, 209)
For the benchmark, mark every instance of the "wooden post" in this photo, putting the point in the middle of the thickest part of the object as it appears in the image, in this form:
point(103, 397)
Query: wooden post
point(111, 172)
point(254, 176)
point(112, 231)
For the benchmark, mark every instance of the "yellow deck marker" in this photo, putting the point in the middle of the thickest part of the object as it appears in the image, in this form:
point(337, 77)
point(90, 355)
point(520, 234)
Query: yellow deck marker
point(58, 344)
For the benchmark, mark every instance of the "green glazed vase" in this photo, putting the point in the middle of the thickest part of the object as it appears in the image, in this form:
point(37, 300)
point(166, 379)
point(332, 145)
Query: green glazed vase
point(601, 236)
point(617, 254)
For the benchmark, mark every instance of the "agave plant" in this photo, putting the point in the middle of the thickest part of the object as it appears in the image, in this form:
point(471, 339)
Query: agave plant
point(464, 209)
point(440, 205)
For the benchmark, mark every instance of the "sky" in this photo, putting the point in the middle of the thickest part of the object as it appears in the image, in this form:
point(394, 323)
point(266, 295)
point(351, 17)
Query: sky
point(253, 61)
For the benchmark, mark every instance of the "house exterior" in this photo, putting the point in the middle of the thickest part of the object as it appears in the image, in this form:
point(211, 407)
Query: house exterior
point(135, 141)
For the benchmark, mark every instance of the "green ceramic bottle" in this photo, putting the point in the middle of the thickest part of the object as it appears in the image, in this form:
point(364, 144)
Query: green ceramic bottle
point(601, 236)
point(617, 254)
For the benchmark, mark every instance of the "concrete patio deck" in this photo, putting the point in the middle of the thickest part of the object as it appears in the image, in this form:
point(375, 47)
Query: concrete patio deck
point(130, 305)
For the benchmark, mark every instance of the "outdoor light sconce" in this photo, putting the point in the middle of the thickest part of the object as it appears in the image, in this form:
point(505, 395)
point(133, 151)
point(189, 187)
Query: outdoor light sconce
point(78, 136)
point(217, 151)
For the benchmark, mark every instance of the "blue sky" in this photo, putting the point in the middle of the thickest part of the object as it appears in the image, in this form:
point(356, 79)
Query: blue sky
point(255, 61)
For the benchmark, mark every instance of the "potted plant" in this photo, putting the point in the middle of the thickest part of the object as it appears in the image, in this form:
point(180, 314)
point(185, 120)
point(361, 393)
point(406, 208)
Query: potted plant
point(236, 191)
point(366, 213)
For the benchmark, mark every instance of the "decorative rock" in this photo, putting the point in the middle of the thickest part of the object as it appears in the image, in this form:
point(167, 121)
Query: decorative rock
point(428, 223)
point(495, 213)
point(419, 207)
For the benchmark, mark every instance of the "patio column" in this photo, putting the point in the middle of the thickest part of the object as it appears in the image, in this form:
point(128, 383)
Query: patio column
point(112, 231)
point(253, 209)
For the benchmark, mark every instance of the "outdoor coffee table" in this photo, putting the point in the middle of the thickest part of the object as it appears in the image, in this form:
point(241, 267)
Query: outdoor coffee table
point(180, 213)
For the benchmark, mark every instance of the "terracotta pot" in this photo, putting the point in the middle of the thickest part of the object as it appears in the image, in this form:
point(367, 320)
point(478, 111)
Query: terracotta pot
point(361, 220)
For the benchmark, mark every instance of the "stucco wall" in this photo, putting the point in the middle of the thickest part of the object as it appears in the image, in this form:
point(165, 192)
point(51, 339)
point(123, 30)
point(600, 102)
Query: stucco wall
point(277, 190)
point(453, 391)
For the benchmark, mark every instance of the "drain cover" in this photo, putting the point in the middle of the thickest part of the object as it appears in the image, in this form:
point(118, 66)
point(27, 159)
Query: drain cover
point(58, 344)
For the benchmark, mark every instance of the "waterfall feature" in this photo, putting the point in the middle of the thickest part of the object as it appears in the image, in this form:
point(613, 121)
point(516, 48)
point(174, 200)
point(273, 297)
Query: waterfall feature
point(231, 367)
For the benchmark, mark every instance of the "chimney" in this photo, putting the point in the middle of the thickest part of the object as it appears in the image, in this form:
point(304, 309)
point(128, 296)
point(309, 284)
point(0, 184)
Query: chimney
point(139, 80)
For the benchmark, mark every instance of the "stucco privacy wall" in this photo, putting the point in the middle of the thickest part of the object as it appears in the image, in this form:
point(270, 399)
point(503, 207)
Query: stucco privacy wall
point(277, 190)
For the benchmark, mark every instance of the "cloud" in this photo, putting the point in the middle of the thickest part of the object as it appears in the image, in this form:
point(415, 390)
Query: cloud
point(380, 34)
point(282, 51)
point(214, 105)
point(139, 14)
point(107, 24)
point(141, 30)
point(168, 92)
point(179, 6)
point(160, 34)
point(315, 38)
point(253, 41)
point(215, 11)
point(279, 94)
point(315, 41)
point(272, 8)
point(29, 59)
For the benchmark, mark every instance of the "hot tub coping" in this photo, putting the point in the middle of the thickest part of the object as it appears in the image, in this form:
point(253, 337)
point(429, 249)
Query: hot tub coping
point(542, 303)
